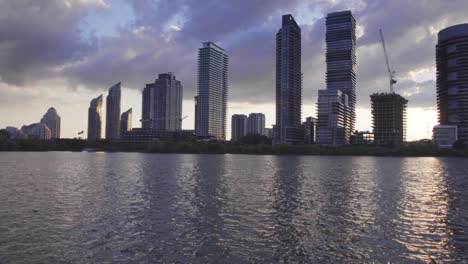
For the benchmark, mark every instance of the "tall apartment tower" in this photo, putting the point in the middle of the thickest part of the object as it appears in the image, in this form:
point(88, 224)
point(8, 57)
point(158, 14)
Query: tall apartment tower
point(288, 83)
point(331, 109)
point(238, 127)
point(310, 128)
point(212, 92)
point(162, 104)
point(389, 118)
point(256, 124)
point(52, 120)
point(452, 78)
point(126, 121)
point(95, 118)
point(341, 68)
point(113, 112)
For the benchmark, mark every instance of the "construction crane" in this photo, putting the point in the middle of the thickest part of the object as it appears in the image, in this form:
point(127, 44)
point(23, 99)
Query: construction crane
point(391, 73)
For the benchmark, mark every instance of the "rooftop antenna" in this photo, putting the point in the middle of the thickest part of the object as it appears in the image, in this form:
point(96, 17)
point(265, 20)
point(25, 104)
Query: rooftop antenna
point(391, 72)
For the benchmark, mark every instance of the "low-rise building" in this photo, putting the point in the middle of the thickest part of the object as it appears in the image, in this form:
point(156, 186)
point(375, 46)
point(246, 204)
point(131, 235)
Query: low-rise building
point(362, 138)
point(139, 134)
point(445, 135)
point(37, 131)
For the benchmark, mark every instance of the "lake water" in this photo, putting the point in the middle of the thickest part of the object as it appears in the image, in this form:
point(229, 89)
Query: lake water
point(140, 208)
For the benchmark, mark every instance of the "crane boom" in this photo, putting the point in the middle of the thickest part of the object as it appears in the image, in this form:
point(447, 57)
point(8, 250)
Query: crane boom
point(391, 73)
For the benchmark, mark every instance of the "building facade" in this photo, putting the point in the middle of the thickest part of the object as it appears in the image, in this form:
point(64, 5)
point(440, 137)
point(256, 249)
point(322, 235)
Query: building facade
point(113, 112)
point(331, 124)
point(452, 78)
point(126, 121)
point(256, 124)
point(238, 127)
point(288, 83)
point(162, 104)
point(52, 120)
point(37, 131)
point(148, 135)
point(341, 67)
point(445, 136)
point(95, 118)
point(212, 92)
point(388, 118)
point(310, 129)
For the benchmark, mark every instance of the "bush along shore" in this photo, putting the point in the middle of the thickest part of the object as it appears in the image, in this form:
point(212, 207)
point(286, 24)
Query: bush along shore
point(410, 149)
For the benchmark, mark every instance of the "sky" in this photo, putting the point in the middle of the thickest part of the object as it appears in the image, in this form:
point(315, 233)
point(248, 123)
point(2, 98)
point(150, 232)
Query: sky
point(63, 53)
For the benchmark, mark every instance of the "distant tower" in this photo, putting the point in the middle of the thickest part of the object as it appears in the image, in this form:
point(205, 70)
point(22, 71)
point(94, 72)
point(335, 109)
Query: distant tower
point(95, 118)
point(52, 120)
point(126, 121)
point(212, 92)
point(452, 81)
point(288, 83)
point(162, 103)
point(256, 124)
point(113, 112)
point(341, 64)
point(331, 107)
point(238, 127)
point(389, 118)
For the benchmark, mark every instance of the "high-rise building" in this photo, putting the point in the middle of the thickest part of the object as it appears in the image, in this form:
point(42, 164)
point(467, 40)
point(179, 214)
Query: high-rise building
point(162, 104)
point(452, 78)
point(113, 112)
point(445, 136)
point(256, 124)
point(37, 131)
point(212, 92)
point(388, 118)
point(331, 107)
point(341, 65)
point(95, 118)
point(52, 120)
point(126, 121)
point(288, 83)
point(310, 129)
point(238, 127)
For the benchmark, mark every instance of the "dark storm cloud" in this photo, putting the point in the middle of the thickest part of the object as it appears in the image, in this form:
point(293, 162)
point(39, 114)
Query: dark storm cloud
point(50, 44)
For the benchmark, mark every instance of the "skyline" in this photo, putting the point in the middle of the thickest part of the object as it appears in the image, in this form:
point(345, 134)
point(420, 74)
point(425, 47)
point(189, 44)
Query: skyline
point(248, 82)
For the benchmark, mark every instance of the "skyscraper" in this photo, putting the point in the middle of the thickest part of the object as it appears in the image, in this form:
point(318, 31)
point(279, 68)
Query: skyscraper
point(212, 92)
point(288, 83)
point(310, 128)
point(95, 118)
point(162, 104)
point(238, 127)
point(256, 124)
point(126, 121)
point(52, 120)
point(389, 118)
point(341, 69)
point(331, 109)
point(113, 112)
point(452, 81)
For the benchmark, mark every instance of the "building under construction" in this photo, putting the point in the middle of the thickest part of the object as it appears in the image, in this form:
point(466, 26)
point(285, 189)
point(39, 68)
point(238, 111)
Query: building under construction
point(389, 118)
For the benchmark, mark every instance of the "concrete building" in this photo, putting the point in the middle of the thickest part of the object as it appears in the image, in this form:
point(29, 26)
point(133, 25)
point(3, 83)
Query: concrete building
point(256, 124)
point(145, 135)
point(445, 136)
point(212, 92)
point(162, 104)
point(452, 78)
point(341, 71)
point(388, 118)
point(288, 83)
point(310, 129)
point(238, 127)
point(95, 118)
point(126, 121)
point(362, 138)
point(113, 112)
point(52, 120)
point(331, 107)
point(37, 131)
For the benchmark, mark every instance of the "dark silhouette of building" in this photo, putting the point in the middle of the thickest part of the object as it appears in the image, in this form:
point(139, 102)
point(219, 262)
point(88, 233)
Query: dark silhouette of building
point(362, 138)
point(256, 124)
point(341, 73)
point(113, 112)
point(288, 83)
point(238, 127)
point(52, 120)
point(452, 78)
point(212, 92)
point(309, 127)
point(126, 121)
point(140, 134)
point(162, 104)
point(95, 118)
point(389, 118)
